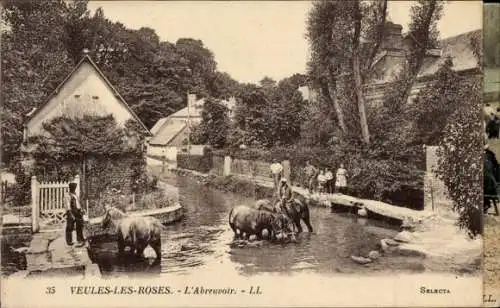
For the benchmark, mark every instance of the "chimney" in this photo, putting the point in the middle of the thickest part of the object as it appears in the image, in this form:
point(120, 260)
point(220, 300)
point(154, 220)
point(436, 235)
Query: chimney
point(393, 38)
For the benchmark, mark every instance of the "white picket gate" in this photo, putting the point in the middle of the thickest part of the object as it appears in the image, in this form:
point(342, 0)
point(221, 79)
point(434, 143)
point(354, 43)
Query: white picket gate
point(47, 201)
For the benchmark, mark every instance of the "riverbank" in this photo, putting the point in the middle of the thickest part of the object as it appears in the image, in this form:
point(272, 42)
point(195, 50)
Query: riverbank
point(427, 234)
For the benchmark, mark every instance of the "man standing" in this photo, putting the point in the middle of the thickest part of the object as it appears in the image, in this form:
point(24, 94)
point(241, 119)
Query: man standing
point(329, 181)
point(284, 193)
point(492, 128)
point(310, 172)
point(276, 170)
point(74, 217)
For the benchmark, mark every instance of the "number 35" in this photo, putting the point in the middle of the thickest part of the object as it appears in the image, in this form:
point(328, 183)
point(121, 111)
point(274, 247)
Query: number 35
point(50, 290)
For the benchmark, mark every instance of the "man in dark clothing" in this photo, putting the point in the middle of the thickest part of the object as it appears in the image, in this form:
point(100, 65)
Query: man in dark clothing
point(74, 217)
point(492, 128)
point(491, 177)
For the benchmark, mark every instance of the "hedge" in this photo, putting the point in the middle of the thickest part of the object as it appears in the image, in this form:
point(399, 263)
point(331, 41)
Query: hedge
point(200, 163)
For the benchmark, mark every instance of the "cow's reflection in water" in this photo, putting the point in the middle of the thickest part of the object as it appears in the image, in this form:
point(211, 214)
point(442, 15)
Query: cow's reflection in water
point(126, 263)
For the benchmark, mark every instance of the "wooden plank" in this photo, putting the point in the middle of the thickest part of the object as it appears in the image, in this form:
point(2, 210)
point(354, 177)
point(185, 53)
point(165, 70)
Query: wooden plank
point(61, 198)
point(42, 190)
point(51, 198)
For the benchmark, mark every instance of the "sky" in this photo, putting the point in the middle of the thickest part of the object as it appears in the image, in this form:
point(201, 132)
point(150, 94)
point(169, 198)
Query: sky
point(253, 39)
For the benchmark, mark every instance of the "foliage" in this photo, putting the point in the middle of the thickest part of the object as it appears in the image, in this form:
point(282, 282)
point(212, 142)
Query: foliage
point(200, 163)
point(270, 114)
point(460, 157)
point(435, 103)
point(214, 125)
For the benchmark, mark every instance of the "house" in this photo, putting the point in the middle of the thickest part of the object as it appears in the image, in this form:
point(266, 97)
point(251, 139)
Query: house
point(85, 91)
point(171, 133)
point(391, 59)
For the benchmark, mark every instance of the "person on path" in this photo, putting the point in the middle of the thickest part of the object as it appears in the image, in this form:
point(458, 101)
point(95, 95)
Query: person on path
point(329, 181)
point(74, 217)
point(341, 180)
point(276, 171)
point(310, 172)
point(321, 181)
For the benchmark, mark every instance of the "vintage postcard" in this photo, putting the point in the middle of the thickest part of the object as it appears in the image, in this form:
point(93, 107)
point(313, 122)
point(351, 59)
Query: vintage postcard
point(491, 174)
point(242, 153)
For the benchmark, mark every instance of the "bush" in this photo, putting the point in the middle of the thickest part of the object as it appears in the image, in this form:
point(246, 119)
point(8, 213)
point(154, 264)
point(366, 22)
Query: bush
point(460, 158)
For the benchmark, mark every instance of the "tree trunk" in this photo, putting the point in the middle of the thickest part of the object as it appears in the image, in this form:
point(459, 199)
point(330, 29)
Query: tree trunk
point(420, 53)
point(329, 90)
point(357, 75)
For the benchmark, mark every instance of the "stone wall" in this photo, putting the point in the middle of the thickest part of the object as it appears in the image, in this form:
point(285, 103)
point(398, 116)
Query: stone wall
point(117, 173)
point(249, 168)
point(218, 165)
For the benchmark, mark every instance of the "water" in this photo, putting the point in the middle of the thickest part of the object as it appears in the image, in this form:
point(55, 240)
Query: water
point(203, 240)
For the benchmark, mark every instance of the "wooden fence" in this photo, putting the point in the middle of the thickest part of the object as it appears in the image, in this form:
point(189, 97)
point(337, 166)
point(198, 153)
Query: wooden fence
point(47, 201)
point(5, 190)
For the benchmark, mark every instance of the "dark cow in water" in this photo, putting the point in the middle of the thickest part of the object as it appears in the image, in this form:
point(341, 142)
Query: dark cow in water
point(296, 210)
point(136, 232)
point(246, 221)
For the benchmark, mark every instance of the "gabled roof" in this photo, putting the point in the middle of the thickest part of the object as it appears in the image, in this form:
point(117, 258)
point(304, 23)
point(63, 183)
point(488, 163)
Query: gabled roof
point(86, 58)
point(168, 133)
point(459, 49)
point(158, 125)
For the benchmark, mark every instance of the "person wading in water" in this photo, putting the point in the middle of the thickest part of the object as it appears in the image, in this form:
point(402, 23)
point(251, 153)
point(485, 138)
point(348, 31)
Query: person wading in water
point(276, 170)
point(74, 217)
point(285, 193)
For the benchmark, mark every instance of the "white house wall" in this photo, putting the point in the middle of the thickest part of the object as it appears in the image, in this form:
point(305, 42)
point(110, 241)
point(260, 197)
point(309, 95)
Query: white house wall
point(87, 84)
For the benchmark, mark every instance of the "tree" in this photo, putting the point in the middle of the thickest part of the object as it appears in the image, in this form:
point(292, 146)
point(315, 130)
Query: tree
point(223, 86)
point(214, 125)
point(324, 65)
point(269, 115)
point(423, 36)
point(252, 121)
point(345, 38)
point(32, 63)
